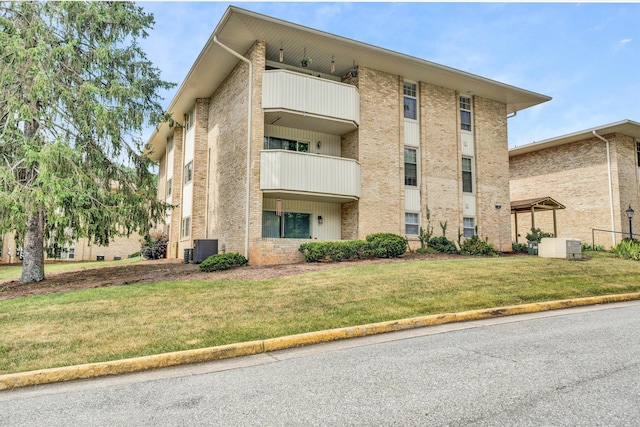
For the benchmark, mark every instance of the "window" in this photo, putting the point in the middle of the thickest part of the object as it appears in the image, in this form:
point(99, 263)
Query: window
point(189, 119)
point(188, 173)
point(638, 151)
point(185, 230)
point(410, 167)
point(271, 143)
point(468, 227)
point(292, 225)
point(410, 101)
point(70, 253)
point(411, 224)
point(467, 175)
point(169, 183)
point(465, 113)
point(170, 144)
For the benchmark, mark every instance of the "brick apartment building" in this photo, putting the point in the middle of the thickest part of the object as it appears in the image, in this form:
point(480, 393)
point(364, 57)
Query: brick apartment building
point(359, 140)
point(594, 174)
point(80, 250)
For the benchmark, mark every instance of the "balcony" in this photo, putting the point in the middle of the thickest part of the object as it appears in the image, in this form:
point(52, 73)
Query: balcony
point(304, 102)
point(294, 175)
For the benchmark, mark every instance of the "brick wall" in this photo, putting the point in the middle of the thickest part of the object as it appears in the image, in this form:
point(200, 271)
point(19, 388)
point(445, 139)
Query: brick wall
point(379, 154)
point(200, 170)
point(492, 173)
point(176, 194)
point(440, 158)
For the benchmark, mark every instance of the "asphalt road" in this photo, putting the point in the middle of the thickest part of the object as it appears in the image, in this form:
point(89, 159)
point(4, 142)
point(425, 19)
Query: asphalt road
point(576, 367)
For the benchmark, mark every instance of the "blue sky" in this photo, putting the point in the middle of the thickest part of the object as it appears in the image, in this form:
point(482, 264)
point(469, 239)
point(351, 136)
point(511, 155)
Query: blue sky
point(584, 55)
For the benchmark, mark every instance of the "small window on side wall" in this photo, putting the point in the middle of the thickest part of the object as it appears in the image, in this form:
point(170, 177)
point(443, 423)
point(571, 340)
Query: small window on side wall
point(185, 229)
point(188, 173)
point(411, 167)
point(469, 227)
point(410, 101)
point(465, 113)
point(411, 224)
point(467, 175)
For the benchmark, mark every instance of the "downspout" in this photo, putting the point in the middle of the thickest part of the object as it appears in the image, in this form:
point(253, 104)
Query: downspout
point(250, 104)
point(613, 224)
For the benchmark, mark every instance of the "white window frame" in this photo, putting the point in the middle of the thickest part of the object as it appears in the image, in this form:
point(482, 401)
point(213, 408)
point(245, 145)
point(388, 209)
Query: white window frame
point(169, 185)
point(188, 173)
point(417, 178)
point(169, 144)
point(416, 224)
point(410, 92)
point(299, 144)
point(468, 230)
point(189, 119)
point(466, 106)
point(185, 227)
point(471, 173)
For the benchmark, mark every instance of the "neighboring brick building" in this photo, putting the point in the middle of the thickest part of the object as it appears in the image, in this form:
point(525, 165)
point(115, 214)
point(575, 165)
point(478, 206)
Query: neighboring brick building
point(82, 250)
point(361, 140)
point(594, 173)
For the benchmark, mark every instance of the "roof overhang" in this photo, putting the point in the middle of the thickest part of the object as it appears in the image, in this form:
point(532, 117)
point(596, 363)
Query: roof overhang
point(239, 29)
point(624, 127)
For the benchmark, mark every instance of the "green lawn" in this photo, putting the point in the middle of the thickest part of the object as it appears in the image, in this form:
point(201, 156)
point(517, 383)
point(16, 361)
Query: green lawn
point(143, 319)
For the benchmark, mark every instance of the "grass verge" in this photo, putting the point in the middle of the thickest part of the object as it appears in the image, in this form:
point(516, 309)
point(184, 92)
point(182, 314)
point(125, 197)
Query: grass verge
point(128, 321)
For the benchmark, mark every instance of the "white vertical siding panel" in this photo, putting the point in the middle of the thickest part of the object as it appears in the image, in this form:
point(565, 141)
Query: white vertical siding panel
point(329, 144)
point(288, 170)
point(293, 91)
point(189, 144)
point(412, 134)
point(469, 205)
point(169, 171)
point(187, 200)
point(466, 139)
point(412, 199)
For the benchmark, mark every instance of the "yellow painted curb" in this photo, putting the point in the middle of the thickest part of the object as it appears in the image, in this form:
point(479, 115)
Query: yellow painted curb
point(93, 370)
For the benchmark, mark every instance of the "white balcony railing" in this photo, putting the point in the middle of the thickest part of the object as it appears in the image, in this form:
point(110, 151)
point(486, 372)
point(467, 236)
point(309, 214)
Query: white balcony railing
point(312, 97)
point(313, 175)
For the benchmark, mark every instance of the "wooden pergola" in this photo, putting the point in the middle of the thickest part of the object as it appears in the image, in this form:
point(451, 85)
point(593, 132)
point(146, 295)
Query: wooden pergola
point(533, 205)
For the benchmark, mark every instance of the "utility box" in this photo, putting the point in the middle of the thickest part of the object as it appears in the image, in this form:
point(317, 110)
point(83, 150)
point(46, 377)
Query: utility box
point(203, 249)
point(560, 247)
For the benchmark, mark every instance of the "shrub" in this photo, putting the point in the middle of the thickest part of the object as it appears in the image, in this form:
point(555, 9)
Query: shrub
point(595, 248)
point(219, 262)
point(519, 248)
point(155, 246)
point(335, 251)
point(387, 245)
point(134, 255)
point(536, 235)
point(314, 251)
point(477, 246)
point(380, 245)
point(357, 249)
point(442, 244)
point(627, 249)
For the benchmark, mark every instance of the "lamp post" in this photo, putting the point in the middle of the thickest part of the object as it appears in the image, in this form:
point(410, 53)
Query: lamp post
point(629, 213)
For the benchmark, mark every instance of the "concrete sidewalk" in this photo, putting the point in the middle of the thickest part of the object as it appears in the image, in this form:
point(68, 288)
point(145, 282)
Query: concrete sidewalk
point(93, 370)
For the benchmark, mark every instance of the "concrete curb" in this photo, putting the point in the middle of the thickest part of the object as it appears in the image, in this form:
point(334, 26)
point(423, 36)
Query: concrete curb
point(94, 370)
